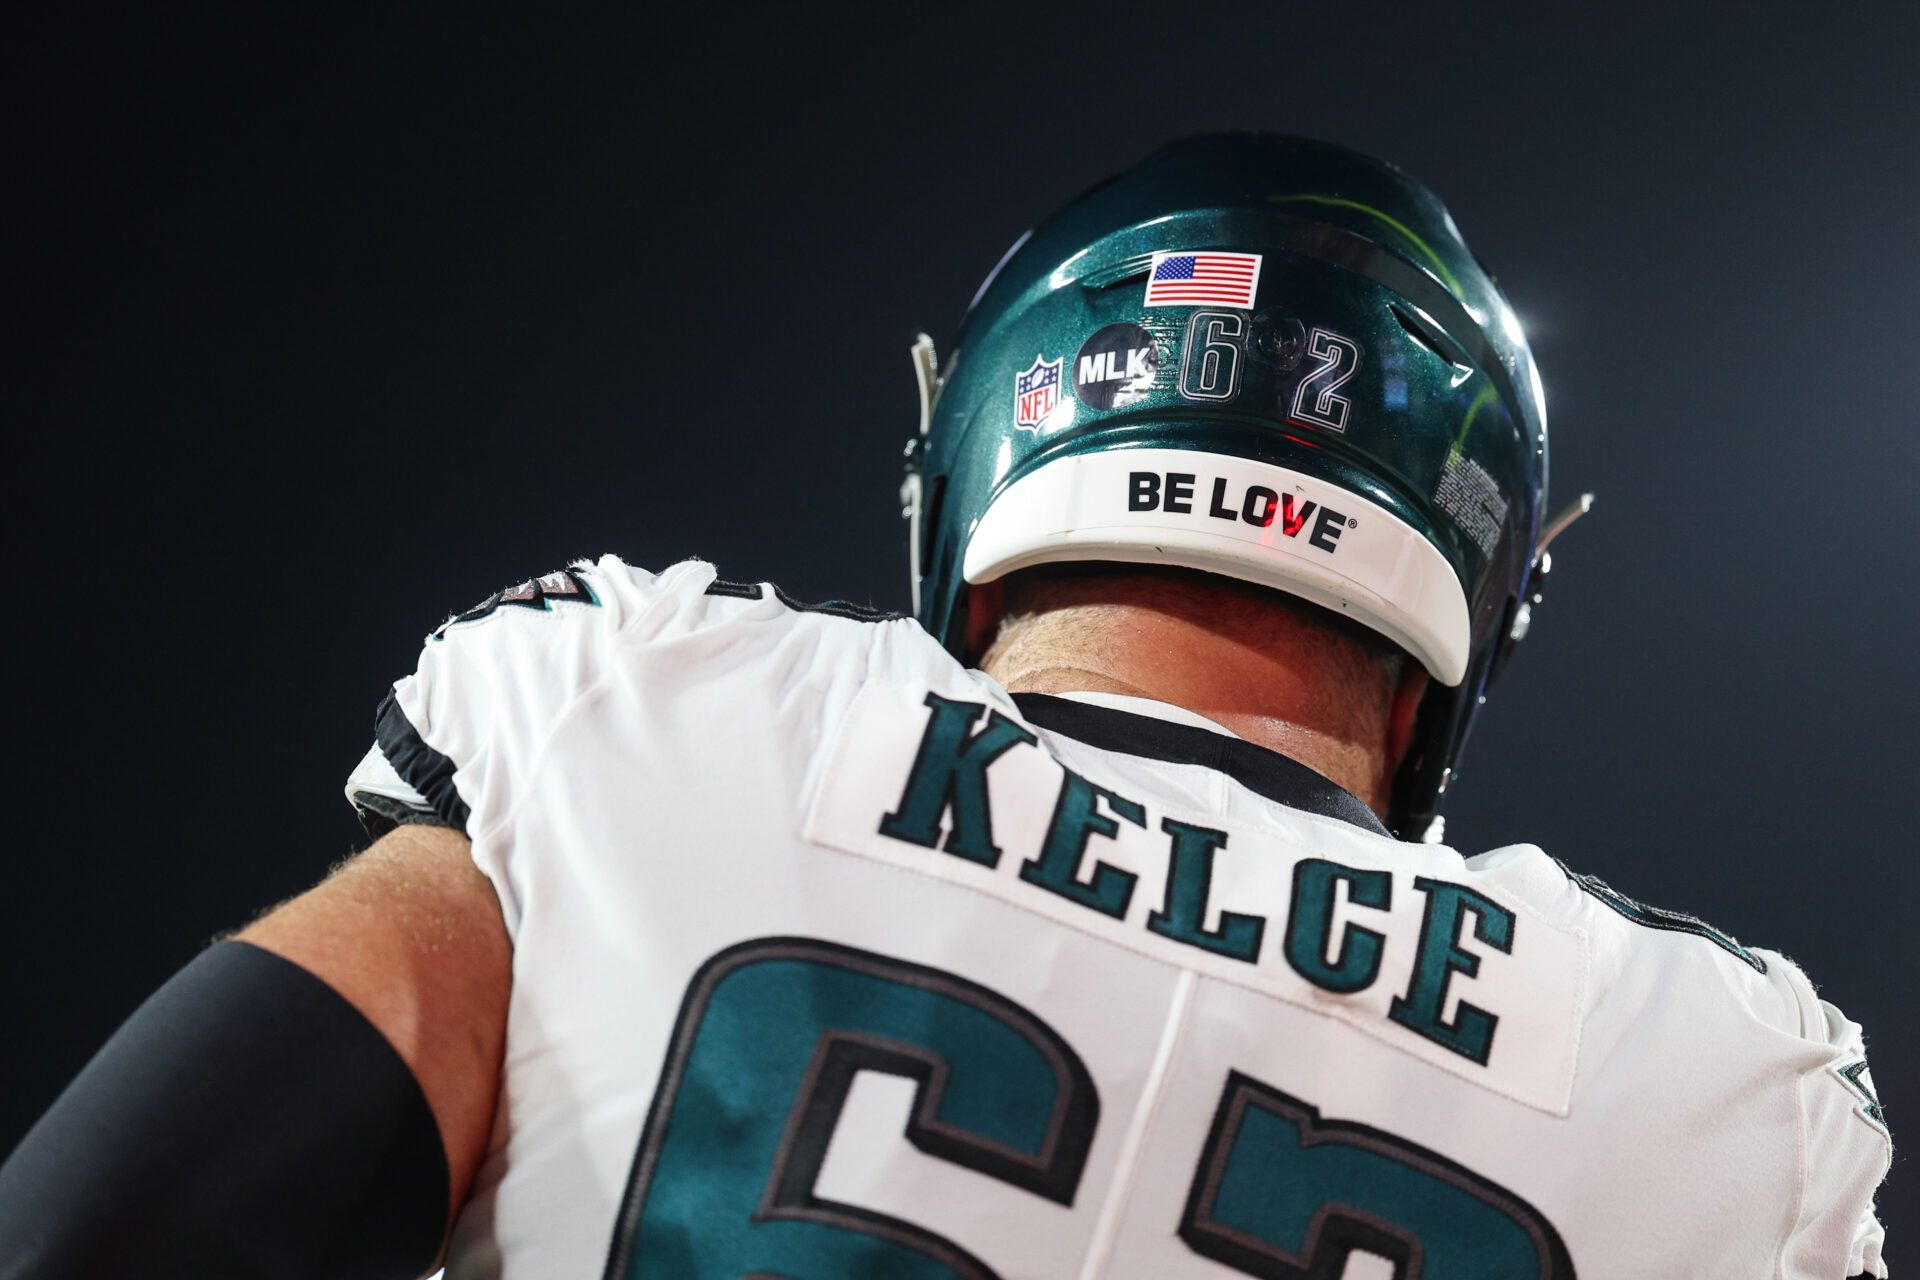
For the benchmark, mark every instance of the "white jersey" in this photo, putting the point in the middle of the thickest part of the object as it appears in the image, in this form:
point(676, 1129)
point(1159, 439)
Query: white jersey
point(832, 959)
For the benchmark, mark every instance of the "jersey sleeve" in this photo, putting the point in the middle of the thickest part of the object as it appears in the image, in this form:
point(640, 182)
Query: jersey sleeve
point(380, 797)
point(1846, 1146)
point(453, 739)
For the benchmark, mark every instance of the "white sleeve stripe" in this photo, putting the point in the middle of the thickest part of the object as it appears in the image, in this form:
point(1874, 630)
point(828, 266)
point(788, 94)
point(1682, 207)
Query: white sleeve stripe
point(374, 776)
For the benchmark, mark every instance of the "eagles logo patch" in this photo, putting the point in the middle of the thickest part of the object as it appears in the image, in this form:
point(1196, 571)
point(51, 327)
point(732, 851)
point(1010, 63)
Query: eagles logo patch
point(535, 593)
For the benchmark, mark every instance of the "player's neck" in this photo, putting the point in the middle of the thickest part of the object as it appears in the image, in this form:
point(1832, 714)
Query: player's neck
point(1275, 695)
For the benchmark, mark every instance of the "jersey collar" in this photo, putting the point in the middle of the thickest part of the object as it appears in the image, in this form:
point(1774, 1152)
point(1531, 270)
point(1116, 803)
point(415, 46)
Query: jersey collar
point(1158, 731)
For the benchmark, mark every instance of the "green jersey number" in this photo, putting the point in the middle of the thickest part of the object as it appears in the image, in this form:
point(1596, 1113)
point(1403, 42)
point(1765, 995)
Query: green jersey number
point(772, 1032)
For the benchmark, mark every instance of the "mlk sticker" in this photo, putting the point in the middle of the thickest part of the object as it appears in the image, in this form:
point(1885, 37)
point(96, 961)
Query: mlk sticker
point(1116, 367)
point(1036, 393)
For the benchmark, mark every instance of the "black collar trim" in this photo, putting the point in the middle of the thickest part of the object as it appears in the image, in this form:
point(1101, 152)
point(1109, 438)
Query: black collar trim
point(1259, 770)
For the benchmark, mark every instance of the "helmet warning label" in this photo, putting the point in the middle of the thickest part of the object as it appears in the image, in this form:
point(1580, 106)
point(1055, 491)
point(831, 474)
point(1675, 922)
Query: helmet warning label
point(1178, 493)
point(1468, 494)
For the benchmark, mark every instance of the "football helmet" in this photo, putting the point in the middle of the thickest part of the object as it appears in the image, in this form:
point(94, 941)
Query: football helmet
point(1260, 356)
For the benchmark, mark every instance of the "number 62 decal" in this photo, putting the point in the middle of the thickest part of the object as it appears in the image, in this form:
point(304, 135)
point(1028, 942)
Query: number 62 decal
point(1210, 368)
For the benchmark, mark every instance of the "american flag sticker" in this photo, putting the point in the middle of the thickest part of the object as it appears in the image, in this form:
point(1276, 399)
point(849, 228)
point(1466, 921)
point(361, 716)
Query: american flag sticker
point(1203, 279)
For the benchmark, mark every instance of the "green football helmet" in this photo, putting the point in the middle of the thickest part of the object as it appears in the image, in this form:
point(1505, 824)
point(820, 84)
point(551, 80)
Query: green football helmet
point(1258, 356)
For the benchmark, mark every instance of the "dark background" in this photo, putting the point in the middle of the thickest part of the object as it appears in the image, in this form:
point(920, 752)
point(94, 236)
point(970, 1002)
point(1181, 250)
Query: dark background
point(331, 329)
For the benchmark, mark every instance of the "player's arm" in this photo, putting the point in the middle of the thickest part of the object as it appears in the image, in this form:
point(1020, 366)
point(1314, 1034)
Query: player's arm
point(409, 933)
point(310, 1100)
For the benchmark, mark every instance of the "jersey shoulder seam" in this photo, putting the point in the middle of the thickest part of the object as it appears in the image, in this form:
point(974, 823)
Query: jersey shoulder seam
point(847, 609)
point(1659, 918)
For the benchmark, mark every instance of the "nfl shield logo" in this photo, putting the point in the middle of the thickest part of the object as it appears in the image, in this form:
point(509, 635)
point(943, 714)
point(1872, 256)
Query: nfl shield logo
point(1036, 393)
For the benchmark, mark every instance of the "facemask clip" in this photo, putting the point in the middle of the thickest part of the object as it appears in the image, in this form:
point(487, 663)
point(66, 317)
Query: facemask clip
point(1543, 564)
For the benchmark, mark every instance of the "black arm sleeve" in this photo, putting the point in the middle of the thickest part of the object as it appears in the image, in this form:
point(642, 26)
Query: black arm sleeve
point(246, 1121)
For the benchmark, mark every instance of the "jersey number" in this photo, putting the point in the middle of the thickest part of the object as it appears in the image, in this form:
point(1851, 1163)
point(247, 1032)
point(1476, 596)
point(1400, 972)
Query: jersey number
point(772, 1032)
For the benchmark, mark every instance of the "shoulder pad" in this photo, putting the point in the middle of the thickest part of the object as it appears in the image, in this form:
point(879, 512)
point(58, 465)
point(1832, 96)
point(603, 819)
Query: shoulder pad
point(501, 672)
point(459, 738)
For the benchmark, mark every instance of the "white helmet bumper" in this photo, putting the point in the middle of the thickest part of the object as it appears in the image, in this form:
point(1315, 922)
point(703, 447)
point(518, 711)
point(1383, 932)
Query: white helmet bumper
point(1240, 518)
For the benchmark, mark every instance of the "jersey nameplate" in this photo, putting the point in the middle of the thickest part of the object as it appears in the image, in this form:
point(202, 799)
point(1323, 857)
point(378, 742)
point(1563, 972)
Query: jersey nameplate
point(1456, 973)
